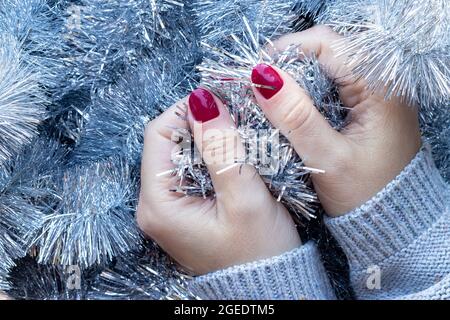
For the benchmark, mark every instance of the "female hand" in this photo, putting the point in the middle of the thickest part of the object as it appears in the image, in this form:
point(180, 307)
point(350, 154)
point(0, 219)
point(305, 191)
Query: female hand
point(242, 223)
point(382, 137)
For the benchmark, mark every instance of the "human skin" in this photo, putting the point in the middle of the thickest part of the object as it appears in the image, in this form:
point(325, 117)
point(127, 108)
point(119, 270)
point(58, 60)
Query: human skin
point(244, 223)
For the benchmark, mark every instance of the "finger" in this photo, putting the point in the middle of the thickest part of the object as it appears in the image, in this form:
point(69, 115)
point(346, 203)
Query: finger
point(161, 141)
point(290, 109)
point(320, 41)
point(222, 150)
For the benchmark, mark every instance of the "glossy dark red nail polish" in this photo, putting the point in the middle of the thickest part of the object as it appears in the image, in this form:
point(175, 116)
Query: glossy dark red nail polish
point(202, 105)
point(265, 75)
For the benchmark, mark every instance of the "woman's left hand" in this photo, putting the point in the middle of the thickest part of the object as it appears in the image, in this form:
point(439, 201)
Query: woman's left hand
point(243, 223)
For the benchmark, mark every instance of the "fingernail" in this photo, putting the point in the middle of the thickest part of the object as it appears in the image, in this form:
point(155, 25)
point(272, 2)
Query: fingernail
point(265, 75)
point(202, 105)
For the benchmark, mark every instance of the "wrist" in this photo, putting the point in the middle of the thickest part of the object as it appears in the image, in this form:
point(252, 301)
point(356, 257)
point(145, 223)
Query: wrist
point(259, 246)
point(345, 188)
point(396, 216)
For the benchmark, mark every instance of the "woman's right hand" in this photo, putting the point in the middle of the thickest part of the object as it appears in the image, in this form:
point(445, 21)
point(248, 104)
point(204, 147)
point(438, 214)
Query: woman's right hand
point(382, 137)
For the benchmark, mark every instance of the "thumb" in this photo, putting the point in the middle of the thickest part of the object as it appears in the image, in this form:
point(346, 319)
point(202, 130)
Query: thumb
point(290, 109)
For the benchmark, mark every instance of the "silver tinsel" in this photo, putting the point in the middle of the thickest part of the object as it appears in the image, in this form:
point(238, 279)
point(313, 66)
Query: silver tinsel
point(93, 220)
point(101, 41)
point(145, 275)
point(312, 8)
point(22, 101)
point(117, 117)
point(218, 19)
point(400, 46)
point(25, 191)
point(435, 124)
point(106, 38)
point(119, 71)
point(36, 25)
point(33, 281)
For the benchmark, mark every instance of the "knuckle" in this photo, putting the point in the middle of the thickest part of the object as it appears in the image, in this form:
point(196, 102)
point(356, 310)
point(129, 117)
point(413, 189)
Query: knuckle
point(296, 113)
point(242, 207)
point(158, 128)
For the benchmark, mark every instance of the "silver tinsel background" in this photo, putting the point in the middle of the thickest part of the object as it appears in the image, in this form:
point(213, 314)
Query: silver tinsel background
point(79, 80)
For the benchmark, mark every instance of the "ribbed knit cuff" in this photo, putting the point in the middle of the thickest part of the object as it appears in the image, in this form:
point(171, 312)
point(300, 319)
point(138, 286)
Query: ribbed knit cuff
point(439, 291)
point(395, 217)
point(298, 274)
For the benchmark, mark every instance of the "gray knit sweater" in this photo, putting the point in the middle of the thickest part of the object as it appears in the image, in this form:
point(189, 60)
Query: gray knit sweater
point(397, 244)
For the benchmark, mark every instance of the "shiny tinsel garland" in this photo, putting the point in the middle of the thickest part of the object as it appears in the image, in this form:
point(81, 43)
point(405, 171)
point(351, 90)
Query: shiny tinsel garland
point(26, 187)
point(403, 46)
point(22, 102)
point(96, 208)
point(117, 116)
point(435, 124)
point(216, 19)
point(83, 66)
point(79, 80)
point(106, 38)
point(143, 274)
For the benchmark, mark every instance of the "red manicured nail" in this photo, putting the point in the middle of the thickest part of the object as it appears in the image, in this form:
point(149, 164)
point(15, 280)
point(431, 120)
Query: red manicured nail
point(202, 105)
point(265, 75)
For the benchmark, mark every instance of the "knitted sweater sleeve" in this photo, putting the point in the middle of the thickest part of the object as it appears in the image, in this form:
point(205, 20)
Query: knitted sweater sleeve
point(295, 275)
point(398, 246)
point(398, 243)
